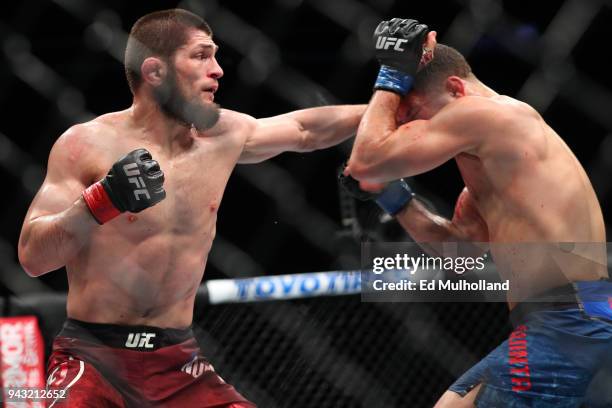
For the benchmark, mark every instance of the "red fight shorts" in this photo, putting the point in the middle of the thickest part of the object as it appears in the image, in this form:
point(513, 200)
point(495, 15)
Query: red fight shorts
point(105, 365)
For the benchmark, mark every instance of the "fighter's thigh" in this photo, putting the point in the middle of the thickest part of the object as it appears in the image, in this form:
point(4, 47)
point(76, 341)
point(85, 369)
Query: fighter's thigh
point(79, 384)
point(451, 399)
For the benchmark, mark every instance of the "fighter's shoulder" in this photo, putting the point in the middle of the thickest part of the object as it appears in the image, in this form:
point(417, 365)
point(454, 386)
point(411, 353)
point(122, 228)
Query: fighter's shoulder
point(512, 108)
point(234, 124)
point(106, 123)
point(84, 139)
point(237, 119)
point(493, 109)
point(500, 106)
point(489, 113)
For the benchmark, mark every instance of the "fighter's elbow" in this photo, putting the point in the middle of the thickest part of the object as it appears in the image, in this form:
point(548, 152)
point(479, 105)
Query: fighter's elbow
point(32, 264)
point(32, 273)
point(363, 165)
point(29, 263)
point(359, 170)
point(308, 142)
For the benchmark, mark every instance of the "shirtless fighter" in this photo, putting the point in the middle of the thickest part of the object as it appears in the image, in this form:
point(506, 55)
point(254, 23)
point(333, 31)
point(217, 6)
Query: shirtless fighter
point(525, 192)
point(135, 239)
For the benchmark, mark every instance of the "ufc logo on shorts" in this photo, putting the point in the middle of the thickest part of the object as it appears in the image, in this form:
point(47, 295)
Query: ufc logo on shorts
point(139, 340)
point(197, 367)
point(131, 170)
point(386, 42)
point(58, 375)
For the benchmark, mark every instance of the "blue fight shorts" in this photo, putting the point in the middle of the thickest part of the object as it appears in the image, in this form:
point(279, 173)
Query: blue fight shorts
point(559, 354)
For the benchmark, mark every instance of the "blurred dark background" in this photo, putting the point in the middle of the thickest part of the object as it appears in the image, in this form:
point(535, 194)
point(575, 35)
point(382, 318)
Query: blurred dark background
point(60, 64)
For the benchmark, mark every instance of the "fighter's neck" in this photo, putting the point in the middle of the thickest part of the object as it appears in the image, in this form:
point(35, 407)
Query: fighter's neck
point(156, 127)
point(477, 88)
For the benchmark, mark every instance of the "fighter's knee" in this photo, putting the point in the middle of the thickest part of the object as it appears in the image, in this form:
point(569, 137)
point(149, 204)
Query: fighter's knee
point(451, 399)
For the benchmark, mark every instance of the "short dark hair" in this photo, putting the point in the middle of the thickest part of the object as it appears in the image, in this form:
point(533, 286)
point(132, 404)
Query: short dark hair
point(159, 34)
point(446, 62)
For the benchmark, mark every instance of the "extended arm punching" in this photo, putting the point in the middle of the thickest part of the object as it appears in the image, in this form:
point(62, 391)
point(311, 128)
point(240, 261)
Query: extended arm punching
point(300, 131)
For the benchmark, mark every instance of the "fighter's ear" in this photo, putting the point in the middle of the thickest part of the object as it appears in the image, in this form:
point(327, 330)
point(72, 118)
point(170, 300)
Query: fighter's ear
point(455, 86)
point(153, 71)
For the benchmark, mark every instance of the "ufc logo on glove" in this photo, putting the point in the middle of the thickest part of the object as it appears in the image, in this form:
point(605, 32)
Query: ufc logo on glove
point(131, 169)
point(383, 43)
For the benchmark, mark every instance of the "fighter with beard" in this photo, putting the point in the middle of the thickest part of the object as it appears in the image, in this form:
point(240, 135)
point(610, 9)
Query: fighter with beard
point(135, 239)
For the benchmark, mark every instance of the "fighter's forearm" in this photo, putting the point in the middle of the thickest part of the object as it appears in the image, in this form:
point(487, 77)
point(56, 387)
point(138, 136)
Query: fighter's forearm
point(428, 229)
point(50, 241)
point(327, 126)
point(377, 125)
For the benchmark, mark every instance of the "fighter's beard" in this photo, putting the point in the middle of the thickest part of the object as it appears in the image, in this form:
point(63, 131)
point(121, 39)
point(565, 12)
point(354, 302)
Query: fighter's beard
point(173, 104)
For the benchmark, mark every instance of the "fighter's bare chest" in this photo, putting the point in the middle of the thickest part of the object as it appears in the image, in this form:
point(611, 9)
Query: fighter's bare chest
point(194, 182)
point(191, 185)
